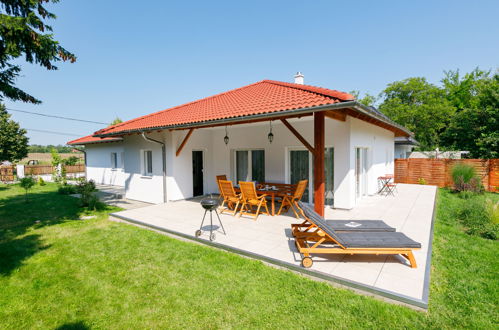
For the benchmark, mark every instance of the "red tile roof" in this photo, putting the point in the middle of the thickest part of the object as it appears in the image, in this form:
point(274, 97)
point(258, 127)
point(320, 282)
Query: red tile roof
point(266, 96)
point(91, 139)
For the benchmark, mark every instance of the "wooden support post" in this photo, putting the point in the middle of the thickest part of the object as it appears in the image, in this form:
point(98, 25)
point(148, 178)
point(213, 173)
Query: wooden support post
point(319, 176)
point(179, 150)
point(298, 136)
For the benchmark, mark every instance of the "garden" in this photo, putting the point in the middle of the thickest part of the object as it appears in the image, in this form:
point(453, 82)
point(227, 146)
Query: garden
point(63, 264)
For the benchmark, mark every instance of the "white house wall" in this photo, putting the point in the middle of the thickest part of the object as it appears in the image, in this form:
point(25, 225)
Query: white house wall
point(179, 168)
point(379, 142)
point(137, 185)
point(344, 137)
point(99, 163)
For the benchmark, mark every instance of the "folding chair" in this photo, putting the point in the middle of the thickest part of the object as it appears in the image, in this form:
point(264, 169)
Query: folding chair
point(251, 199)
point(229, 197)
point(288, 201)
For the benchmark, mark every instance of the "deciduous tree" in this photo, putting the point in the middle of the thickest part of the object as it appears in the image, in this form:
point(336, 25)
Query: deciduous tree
point(13, 139)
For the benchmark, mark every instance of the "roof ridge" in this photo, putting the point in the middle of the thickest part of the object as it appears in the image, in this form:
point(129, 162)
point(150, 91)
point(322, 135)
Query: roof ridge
point(313, 89)
point(177, 106)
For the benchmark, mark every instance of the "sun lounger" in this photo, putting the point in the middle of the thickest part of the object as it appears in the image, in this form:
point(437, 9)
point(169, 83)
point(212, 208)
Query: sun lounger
point(323, 239)
point(341, 225)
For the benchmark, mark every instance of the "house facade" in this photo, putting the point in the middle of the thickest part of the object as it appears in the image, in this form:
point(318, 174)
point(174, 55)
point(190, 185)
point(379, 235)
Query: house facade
point(104, 160)
point(270, 131)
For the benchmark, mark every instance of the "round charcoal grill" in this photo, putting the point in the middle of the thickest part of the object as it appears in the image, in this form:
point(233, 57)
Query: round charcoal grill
point(209, 204)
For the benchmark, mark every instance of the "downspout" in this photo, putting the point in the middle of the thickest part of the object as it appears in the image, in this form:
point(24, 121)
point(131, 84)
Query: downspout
point(163, 151)
point(84, 159)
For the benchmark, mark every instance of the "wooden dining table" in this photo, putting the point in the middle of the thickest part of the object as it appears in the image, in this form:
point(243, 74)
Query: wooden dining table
point(281, 190)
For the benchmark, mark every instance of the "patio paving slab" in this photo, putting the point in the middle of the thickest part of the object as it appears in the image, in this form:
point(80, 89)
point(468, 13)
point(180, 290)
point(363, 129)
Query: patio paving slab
point(269, 238)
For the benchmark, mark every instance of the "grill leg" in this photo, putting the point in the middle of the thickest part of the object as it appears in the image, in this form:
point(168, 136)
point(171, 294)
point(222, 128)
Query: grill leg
point(220, 222)
point(201, 227)
point(211, 223)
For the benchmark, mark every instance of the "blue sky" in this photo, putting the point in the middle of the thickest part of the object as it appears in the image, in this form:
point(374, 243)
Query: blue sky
point(138, 57)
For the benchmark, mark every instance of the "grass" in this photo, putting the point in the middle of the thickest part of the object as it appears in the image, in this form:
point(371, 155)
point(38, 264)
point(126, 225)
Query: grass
point(66, 273)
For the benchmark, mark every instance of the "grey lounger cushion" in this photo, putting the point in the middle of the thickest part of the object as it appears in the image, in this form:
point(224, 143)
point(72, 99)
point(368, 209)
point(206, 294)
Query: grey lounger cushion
point(378, 240)
point(361, 239)
point(359, 225)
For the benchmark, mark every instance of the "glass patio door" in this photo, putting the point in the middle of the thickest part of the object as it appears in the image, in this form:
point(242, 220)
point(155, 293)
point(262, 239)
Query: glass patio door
point(329, 175)
point(299, 169)
point(360, 172)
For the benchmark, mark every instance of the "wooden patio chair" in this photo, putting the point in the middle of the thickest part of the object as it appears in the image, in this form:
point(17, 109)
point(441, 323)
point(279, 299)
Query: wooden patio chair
point(325, 240)
point(221, 177)
point(230, 198)
point(288, 201)
point(251, 199)
point(307, 228)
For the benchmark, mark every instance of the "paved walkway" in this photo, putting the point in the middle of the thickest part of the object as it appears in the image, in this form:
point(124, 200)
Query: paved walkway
point(269, 238)
point(115, 195)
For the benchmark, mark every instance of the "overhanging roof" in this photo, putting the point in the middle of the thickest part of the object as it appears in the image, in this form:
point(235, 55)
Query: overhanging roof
point(264, 100)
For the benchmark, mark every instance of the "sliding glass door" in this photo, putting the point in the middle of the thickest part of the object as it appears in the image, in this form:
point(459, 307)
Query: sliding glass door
point(300, 168)
point(250, 165)
point(360, 172)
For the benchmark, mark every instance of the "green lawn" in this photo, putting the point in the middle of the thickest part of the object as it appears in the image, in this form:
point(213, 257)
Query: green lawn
point(70, 273)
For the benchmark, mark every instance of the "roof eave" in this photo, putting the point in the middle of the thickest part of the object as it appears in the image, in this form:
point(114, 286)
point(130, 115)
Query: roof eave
point(234, 120)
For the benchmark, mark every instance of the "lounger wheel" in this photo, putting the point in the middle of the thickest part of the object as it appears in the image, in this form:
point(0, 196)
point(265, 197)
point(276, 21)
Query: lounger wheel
point(307, 262)
point(212, 236)
point(198, 233)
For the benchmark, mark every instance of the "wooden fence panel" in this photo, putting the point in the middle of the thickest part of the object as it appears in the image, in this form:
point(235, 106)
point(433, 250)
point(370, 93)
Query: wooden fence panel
point(38, 169)
point(438, 172)
point(75, 168)
point(494, 175)
point(6, 173)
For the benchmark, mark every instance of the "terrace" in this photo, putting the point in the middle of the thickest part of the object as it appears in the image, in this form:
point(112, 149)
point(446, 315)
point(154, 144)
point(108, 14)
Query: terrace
point(269, 238)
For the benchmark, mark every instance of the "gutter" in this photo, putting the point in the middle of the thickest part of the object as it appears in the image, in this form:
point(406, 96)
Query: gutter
point(335, 106)
point(163, 152)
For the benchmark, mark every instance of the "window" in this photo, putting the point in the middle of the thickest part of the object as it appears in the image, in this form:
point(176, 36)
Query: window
point(114, 160)
point(147, 162)
point(250, 165)
point(122, 160)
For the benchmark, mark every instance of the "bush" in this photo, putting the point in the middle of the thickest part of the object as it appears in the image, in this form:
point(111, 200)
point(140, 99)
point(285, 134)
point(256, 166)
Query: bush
point(86, 189)
point(67, 190)
point(477, 217)
point(465, 178)
point(422, 181)
point(41, 182)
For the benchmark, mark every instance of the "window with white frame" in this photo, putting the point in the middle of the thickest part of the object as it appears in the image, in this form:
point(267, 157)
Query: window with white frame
point(147, 162)
point(114, 160)
point(249, 165)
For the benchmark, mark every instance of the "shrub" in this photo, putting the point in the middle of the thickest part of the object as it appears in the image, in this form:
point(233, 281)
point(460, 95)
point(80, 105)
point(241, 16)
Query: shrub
point(41, 182)
point(477, 218)
point(27, 183)
point(465, 178)
point(86, 189)
point(67, 189)
point(422, 181)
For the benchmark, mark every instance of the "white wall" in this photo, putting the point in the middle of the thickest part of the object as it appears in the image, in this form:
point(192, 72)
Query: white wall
point(99, 163)
point(137, 185)
point(380, 145)
point(218, 158)
point(179, 168)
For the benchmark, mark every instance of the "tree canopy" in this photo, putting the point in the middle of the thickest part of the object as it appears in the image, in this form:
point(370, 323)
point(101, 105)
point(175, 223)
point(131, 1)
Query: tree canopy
point(13, 139)
point(24, 34)
point(461, 114)
point(116, 120)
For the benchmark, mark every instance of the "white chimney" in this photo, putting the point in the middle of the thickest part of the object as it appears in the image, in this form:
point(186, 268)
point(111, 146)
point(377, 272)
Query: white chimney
point(299, 78)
